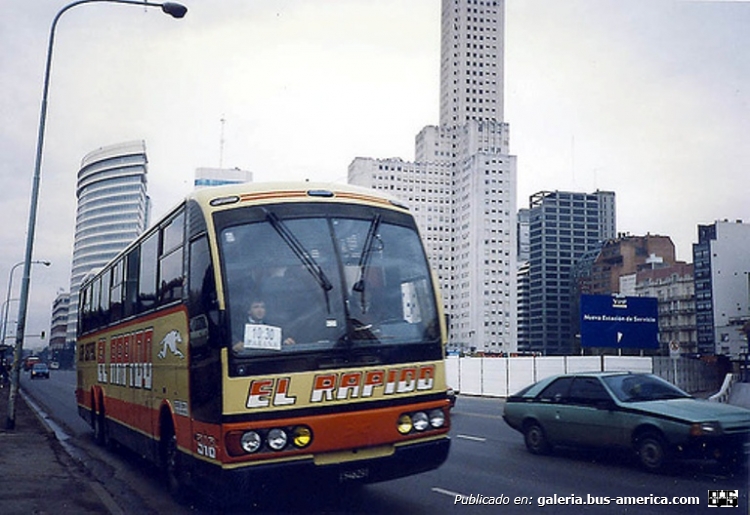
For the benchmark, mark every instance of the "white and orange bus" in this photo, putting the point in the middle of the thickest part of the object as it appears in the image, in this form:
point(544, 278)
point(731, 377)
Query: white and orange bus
point(340, 378)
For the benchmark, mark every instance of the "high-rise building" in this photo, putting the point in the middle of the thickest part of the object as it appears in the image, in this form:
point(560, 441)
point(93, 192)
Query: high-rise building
point(564, 227)
point(722, 287)
point(462, 184)
point(113, 209)
point(59, 325)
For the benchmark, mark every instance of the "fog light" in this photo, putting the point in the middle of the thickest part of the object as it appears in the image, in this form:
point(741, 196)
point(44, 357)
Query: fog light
point(404, 424)
point(437, 418)
point(277, 439)
point(301, 437)
point(420, 420)
point(251, 441)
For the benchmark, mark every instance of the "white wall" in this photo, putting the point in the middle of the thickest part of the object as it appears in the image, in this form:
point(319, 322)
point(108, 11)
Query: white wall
point(500, 377)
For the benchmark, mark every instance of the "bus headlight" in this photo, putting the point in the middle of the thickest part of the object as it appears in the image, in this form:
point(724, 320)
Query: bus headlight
point(301, 437)
point(277, 439)
point(420, 420)
point(251, 442)
point(404, 425)
point(437, 418)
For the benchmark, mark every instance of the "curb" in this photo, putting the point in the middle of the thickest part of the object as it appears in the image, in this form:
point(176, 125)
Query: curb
point(61, 436)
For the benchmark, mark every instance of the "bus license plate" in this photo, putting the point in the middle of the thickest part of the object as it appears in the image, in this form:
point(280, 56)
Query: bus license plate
point(357, 474)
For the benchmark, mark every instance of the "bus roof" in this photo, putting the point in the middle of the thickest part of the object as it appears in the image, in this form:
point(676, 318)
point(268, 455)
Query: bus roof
point(299, 190)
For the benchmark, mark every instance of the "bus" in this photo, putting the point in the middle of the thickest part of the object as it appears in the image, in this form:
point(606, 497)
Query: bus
point(341, 378)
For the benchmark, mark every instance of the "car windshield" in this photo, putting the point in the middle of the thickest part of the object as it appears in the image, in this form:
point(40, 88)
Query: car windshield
point(40, 366)
point(305, 279)
point(642, 387)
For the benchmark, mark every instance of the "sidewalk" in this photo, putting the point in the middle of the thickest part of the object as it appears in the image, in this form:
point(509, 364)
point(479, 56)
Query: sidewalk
point(37, 476)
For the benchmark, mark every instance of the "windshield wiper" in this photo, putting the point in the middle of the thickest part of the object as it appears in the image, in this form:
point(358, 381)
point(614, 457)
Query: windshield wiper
point(364, 260)
point(302, 253)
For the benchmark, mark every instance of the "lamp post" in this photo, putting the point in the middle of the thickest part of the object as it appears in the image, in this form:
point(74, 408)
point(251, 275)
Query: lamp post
point(173, 9)
point(7, 296)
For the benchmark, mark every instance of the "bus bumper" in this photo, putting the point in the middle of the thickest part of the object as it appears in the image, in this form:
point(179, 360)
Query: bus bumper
point(404, 461)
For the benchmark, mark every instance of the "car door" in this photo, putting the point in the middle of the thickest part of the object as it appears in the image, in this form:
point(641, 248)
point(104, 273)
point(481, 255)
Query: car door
point(547, 407)
point(589, 417)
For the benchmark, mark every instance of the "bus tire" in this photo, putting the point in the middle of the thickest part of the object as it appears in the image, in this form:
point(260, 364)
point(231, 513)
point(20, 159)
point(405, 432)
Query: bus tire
point(99, 421)
point(171, 464)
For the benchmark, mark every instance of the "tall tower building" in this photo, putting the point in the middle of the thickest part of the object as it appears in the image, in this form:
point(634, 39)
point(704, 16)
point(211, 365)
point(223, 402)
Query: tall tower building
point(471, 61)
point(563, 228)
point(462, 184)
point(113, 209)
point(59, 328)
point(722, 287)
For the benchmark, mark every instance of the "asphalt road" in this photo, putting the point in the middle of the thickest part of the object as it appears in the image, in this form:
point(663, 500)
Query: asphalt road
point(488, 463)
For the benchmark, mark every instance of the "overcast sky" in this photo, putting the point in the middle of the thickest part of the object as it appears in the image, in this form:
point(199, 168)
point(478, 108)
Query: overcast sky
point(647, 98)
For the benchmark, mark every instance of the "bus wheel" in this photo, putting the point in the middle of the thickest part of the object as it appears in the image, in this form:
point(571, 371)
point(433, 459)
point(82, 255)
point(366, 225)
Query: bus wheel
point(99, 421)
point(171, 464)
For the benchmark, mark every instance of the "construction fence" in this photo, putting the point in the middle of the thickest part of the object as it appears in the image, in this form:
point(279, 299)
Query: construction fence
point(503, 376)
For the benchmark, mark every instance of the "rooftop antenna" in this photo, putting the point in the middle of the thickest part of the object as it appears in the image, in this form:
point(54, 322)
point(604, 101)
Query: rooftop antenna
point(221, 143)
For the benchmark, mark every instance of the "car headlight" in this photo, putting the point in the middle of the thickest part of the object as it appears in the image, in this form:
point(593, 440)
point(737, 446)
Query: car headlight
point(705, 429)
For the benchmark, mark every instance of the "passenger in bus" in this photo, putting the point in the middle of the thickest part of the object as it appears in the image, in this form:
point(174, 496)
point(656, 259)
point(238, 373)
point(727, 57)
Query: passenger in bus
point(256, 315)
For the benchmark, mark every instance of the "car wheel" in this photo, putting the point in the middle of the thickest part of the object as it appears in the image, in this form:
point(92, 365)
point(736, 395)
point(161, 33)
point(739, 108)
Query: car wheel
point(535, 439)
point(652, 451)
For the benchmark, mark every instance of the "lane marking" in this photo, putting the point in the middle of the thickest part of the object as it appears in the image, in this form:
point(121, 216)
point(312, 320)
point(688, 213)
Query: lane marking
point(472, 438)
point(446, 492)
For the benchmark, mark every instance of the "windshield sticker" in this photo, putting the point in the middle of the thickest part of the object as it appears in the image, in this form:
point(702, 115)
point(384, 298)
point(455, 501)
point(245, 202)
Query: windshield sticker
point(261, 336)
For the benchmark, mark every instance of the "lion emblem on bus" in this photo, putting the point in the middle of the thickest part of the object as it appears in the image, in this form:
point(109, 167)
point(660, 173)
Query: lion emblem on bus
point(170, 342)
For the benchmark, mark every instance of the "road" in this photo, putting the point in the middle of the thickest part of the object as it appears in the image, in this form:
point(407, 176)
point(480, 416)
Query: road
point(488, 462)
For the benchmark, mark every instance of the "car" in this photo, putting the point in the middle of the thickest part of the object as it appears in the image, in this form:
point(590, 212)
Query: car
point(39, 370)
point(633, 411)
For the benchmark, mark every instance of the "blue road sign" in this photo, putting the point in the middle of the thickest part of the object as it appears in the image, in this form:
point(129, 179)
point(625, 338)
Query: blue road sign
point(619, 321)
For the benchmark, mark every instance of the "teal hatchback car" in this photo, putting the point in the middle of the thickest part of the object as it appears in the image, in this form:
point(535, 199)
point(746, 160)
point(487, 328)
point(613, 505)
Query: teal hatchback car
point(625, 410)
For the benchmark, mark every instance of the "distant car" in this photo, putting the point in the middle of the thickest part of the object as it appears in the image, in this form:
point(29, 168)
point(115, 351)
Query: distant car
point(39, 370)
point(624, 410)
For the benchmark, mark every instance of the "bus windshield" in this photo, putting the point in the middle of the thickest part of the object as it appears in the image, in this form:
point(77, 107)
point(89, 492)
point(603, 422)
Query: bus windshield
point(328, 283)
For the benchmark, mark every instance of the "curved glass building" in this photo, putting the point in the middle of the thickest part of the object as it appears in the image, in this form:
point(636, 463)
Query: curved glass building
point(113, 209)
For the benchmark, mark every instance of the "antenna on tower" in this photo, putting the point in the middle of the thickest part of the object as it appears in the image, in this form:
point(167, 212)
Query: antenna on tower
point(221, 143)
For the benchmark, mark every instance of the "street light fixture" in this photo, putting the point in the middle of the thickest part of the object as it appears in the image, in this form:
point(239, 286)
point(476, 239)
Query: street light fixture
point(173, 9)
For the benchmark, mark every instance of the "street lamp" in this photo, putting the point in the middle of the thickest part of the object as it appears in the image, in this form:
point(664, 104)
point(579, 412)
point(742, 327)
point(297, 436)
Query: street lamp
point(7, 296)
point(173, 9)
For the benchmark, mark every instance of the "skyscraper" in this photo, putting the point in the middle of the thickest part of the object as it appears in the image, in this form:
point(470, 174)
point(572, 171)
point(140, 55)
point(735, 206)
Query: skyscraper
point(563, 228)
point(462, 185)
point(722, 287)
point(112, 211)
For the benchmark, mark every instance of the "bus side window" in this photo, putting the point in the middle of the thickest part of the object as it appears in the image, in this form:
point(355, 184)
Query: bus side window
point(170, 261)
point(132, 267)
point(147, 273)
point(115, 297)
